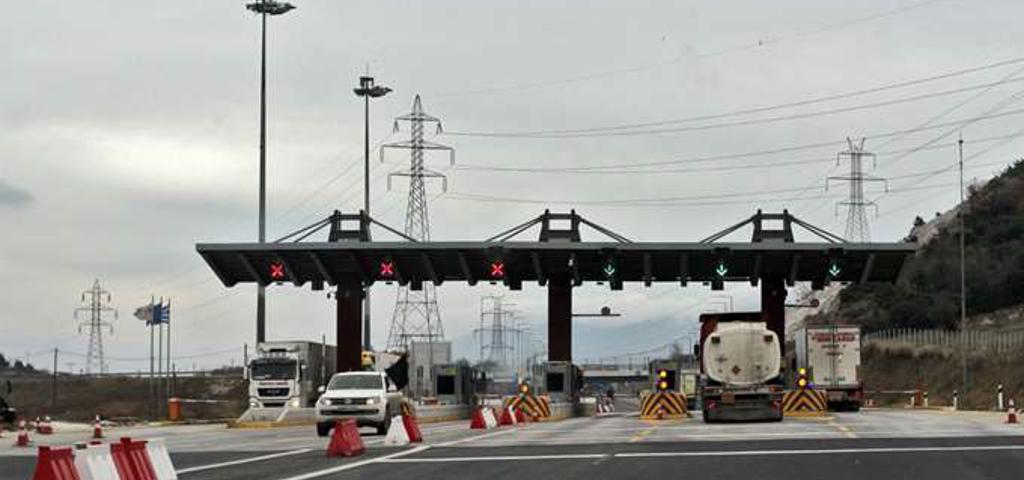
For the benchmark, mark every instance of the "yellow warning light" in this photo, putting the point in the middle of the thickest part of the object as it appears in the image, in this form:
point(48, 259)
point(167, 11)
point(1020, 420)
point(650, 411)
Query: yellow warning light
point(662, 374)
point(802, 382)
point(663, 385)
point(803, 371)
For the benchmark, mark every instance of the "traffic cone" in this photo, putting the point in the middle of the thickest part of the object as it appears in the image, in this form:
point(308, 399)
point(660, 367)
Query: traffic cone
point(22, 440)
point(1011, 413)
point(46, 428)
point(97, 428)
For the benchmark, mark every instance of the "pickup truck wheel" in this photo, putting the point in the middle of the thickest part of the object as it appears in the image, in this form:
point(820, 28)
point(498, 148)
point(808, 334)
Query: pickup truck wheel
point(382, 429)
point(323, 429)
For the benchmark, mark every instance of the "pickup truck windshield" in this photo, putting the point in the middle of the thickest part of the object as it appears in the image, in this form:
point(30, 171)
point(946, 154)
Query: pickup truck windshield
point(355, 382)
point(277, 370)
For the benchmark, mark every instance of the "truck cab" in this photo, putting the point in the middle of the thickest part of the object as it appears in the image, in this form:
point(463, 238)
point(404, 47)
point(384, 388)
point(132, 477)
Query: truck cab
point(286, 374)
point(369, 398)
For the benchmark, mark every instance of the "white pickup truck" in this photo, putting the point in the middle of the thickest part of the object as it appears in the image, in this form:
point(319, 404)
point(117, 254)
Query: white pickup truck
point(370, 398)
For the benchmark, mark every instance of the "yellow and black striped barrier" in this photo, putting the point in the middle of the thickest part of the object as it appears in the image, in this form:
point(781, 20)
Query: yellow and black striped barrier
point(804, 403)
point(659, 405)
point(531, 405)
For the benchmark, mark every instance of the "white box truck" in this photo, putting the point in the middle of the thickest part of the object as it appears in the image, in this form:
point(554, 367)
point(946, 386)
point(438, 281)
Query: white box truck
point(831, 355)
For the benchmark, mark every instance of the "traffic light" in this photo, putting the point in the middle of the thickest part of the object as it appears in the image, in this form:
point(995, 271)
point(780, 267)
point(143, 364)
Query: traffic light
point(801, 378)
point(277, 271)
point(387, 269)
point(721, 270)
point(498, 269)
point(665, 380)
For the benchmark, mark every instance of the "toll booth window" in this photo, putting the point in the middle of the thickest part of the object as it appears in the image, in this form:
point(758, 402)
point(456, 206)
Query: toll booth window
point(445, 385)
point(556, 382)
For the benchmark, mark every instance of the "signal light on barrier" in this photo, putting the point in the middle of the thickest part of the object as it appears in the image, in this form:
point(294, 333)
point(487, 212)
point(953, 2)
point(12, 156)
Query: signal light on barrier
point(662, 385)
point(497, 269)
point(277, 271)
point(801, 379)
point(387, 268)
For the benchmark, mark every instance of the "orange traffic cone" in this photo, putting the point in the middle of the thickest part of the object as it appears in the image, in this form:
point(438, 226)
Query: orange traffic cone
point(23, 439)
point(97, 428)
point(1011, 413)
point(345, 440)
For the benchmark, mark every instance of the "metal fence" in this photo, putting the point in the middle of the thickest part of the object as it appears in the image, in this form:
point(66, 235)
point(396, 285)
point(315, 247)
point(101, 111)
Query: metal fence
point(973, 340)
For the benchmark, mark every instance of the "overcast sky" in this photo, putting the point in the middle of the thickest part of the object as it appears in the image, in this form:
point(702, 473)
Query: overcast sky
point(128, 132)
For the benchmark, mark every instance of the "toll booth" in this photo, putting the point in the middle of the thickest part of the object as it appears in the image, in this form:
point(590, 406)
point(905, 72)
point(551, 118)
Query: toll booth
point(561, 381)
point(454, 384)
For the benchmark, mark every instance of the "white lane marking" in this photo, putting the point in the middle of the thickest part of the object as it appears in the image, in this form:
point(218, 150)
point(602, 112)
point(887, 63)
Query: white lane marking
point(474, 437)
point(504, 458)
point(243, 460)
point(349, 466)
point(588, 456)
point(820, 451)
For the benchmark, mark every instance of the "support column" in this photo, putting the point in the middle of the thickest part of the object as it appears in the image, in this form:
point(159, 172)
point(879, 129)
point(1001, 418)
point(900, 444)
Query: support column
point(773, 307)
point(559, 318)
point(348, 329)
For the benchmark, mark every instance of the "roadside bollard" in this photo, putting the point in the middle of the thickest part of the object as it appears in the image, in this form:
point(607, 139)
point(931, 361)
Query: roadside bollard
point(956, 400)
point(926, 398)
point(999, 397)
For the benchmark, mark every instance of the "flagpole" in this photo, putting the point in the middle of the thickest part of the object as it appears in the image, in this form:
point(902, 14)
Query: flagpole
point(167, 319)
point(152, 388)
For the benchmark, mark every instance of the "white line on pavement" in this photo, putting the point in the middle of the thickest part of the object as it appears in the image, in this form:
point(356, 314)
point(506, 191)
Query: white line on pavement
point(349, 466)
point(504, 458)
point(244, 460)
point(729, 453)
point(585, 456)
point(474, 437)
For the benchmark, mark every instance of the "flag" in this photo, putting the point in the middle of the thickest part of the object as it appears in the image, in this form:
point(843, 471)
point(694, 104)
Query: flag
point(162, 313)
point(145, 313)
point(398, 372)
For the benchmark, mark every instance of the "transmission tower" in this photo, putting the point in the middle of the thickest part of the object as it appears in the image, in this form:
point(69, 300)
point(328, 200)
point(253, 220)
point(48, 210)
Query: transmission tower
point(857, 229)
point(416, 317)
point(499, 333)
point(99, 300)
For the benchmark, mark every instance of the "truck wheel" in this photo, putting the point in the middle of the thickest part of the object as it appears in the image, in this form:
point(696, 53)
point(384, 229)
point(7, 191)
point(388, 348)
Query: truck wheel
point(323, 429)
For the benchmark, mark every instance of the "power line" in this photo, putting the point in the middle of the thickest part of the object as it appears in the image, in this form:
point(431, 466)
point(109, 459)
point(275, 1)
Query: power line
point(627, 130)
point(761, 43)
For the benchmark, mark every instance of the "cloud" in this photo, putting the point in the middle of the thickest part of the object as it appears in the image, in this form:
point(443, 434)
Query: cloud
point(14, 197)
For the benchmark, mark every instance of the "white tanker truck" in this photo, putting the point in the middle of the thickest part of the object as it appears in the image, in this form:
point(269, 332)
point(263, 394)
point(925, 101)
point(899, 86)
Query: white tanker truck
point(741, 368)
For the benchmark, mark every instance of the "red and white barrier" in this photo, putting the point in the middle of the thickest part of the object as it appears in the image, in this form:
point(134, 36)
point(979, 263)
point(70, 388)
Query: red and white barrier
point(489, 419)
point(345, 440)
point(22, 439)
point(397, 435)
point(97, 428)
point(161, 461)
point(1011, 412)
point(94, 462)
point(55, 464)
point(412, 429)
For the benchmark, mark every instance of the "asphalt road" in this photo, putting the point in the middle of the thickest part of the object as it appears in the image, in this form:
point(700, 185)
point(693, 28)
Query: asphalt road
point(873, 443)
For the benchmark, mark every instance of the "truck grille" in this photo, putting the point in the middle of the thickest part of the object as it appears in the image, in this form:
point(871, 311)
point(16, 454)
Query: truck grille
point(272, 392)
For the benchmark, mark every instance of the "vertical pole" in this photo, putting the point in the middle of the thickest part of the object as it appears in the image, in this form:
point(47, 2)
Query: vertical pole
point(159, 366)
point(773, 307)
point(963, 277)
point(168, 321)
point(349, 306)
point(560, 317)
point(261, 298)
point(53, 397)
point(366, 207)
point(152, 387)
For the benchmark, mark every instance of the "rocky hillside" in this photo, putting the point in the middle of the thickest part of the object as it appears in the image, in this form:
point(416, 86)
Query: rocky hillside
point(928, 293)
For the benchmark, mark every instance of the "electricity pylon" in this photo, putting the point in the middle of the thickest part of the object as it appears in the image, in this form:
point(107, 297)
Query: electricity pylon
point(857, 228)
point(97, 307)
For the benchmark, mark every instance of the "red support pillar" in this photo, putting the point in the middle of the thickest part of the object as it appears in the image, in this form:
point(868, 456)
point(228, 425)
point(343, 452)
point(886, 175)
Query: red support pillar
point(349, 325)
point(559, 318)
point(773, 307)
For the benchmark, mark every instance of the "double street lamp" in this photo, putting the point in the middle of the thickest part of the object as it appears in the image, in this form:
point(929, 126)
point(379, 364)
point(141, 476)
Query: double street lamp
point(264, 8)
point(367, 89)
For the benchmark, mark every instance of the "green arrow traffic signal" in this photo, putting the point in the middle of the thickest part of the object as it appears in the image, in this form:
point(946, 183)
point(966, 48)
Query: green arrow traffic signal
point(721, 269)
point(834, 270)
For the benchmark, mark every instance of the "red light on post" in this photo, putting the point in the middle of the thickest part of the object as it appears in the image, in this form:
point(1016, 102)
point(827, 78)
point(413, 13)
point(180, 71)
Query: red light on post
point(497, 269)
point(277, 271)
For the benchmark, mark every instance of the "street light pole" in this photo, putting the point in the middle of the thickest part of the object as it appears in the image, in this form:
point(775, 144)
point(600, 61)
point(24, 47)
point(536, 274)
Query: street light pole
point(264, 8)
point(367, 90)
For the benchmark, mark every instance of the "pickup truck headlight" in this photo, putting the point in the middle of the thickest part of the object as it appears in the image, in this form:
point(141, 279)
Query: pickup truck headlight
point(294, 402)
point(372, 400)
point(323, 401)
